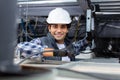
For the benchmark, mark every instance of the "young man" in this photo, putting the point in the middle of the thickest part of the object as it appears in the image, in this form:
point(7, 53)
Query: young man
point(56, 39)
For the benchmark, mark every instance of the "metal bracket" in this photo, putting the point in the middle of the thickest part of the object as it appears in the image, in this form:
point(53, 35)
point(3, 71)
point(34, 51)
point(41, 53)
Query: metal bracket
point(88, 20)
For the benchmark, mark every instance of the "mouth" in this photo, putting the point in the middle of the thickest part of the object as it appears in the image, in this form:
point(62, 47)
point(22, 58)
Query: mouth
point(58, 35)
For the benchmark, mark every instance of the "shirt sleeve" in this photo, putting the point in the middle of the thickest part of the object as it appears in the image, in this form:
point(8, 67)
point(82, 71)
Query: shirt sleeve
point(79, 45)
point(27, 48)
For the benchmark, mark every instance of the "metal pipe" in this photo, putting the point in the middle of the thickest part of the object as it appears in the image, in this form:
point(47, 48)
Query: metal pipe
point(107, 13)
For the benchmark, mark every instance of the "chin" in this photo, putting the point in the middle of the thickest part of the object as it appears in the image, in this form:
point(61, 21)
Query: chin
point(59, 39)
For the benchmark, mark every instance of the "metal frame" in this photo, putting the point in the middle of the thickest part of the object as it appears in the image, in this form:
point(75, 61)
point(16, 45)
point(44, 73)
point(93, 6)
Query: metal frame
point(107, 5)
point(74, 8)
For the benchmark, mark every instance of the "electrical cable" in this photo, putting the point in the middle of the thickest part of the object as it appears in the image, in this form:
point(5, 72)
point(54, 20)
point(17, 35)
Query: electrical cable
point(36, 23)
point(113, 26)
point(76, 32)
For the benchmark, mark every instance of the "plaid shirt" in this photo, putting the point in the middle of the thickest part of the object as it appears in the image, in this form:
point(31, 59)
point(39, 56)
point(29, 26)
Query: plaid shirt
point(26, 48)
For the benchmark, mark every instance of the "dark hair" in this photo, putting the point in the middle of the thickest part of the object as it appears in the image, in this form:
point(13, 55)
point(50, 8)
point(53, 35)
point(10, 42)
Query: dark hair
point(68, 25)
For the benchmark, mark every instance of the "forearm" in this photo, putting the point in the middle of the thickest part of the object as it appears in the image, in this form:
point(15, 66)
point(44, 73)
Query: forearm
point(51, 52)
point(48, 52)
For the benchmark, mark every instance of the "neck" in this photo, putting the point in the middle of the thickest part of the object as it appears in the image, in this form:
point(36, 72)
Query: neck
point(60, 42)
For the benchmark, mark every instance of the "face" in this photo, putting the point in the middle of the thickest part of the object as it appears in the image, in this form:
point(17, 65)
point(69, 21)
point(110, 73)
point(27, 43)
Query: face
point(58, 31)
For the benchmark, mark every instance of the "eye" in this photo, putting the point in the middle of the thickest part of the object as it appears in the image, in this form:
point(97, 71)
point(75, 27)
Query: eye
point(64, 26)
point(54, 25)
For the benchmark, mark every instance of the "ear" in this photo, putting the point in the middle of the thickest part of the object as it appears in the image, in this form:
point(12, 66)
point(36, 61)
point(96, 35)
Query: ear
point(49, 28)
point(67, 30)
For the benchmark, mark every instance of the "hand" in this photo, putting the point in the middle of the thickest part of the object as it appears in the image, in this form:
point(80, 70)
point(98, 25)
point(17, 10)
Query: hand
point(60, 53)
point(71, 56)
point(65, 53)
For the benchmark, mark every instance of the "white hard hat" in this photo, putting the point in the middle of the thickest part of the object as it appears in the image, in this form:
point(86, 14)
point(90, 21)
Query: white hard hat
point(59, 15)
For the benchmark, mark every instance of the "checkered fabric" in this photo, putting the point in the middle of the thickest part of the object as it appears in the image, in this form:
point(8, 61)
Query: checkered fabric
point(27, 48)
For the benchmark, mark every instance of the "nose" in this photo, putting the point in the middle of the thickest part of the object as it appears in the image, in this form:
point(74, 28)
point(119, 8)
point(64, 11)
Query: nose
point(59, 29)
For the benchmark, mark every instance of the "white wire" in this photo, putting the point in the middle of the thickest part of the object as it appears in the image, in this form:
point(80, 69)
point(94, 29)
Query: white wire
point(113, 26)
